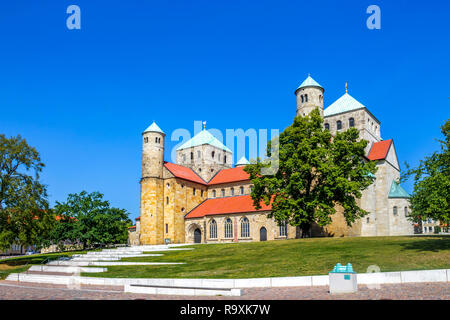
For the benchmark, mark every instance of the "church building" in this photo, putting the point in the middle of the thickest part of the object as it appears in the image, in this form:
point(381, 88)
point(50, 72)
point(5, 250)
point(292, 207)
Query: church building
point(204, 199)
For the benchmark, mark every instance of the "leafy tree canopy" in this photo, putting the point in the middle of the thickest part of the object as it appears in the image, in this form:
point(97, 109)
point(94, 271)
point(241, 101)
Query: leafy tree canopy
point(431, 195)
point(88, 219)
point(315, 173)
point(24, 215)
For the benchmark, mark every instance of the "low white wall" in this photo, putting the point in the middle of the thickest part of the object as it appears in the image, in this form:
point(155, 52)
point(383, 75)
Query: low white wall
point(442, 275)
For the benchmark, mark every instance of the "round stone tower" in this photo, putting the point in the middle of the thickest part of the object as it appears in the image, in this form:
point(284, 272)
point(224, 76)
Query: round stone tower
point(152, 186)
point(309, 97)
point(152, 152)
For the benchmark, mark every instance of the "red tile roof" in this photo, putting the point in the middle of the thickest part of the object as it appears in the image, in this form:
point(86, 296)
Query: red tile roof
point(138, 218)
point(230, 175)
point(238, 204)
point(380, 150)
point(183, 173)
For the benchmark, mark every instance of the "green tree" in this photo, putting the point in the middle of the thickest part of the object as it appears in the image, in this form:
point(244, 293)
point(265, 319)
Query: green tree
point(315, 173)
point(24, 215)
point(88, 219)
point(431, 195)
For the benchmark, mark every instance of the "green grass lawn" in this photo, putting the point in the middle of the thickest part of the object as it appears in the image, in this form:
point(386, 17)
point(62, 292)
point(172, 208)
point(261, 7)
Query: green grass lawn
point(22, 263)
point(299, 257)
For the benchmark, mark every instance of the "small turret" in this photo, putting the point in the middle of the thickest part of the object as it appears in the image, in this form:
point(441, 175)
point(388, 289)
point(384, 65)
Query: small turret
point(309, 97)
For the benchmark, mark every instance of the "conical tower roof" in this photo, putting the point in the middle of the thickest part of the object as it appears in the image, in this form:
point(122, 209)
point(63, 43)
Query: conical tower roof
point(309, 82)
point(154, 128)
point(242, 162)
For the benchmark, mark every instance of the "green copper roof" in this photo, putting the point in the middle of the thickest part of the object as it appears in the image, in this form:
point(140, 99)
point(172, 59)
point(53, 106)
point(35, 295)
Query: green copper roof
point(242, 162)
point(154, 128)
point(343, 104)
point(204, 137)
point(397, 191)
point(309, 82)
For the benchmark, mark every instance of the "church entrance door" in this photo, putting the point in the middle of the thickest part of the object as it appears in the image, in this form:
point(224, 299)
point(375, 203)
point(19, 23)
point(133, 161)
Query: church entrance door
point(197, 236)
point(262, 234)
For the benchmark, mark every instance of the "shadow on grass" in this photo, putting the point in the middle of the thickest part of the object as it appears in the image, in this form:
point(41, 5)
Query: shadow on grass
point(428, 243)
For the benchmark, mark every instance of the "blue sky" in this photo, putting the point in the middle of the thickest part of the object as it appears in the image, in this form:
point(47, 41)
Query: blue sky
point(83, 97)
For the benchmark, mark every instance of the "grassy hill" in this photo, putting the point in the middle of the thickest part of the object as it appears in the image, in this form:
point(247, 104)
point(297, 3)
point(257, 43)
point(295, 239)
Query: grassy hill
point(298, 257)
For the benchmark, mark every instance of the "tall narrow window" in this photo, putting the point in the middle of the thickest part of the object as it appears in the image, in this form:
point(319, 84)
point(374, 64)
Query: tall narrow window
point(199, 155)
point(351, 122)
point(192, 156)
point(242, 190)
point(213, 229)
point(302, 98)
point(212, 154)
point(193, 191)
point(184, 158)
point(228, 228)
point(167, 228)
point(156, 140)
point(245, 228)
point(167, 201)
point(406, 211)
point(232, 191)
point(223, 192)
point(219, 157)
point(327, 126)
point(201, 194)
point(214, 193)
point(224, 159)
point(283, 229)
point(339, 125)
point(395, 211)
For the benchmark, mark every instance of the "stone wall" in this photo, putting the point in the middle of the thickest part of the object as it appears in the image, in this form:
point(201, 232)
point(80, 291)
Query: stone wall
point(227, 188)
point(256, 222)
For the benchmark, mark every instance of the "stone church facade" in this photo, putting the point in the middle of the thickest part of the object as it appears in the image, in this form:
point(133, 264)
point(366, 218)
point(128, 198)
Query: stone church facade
point(204, 199)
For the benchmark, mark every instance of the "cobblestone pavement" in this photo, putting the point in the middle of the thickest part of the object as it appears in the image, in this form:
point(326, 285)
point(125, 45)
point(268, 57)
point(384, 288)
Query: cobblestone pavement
point(11, 290)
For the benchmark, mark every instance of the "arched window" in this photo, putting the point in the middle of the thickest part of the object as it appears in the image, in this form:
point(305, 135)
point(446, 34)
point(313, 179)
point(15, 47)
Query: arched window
point(223, 192)
point(351, 122)
point(146, 140)
point(193, 191)
point(214, 193)
point(327, 126)
point(228, 228)
point(156, 140)
point(213, 229)
point(406, 211)
point(339, 124)
point(232, 191)
point(224, 159)
point(242, 190)
point(167, 200)
point(283, 229)
point(192, 156)
point(395, 211)
point(306, 98)
point(302, 98)
point(212, 154)
point(245, 228)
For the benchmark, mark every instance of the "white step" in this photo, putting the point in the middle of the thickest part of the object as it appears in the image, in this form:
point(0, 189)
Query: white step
point(65, 269)
point(109, 263)
point(185, 291)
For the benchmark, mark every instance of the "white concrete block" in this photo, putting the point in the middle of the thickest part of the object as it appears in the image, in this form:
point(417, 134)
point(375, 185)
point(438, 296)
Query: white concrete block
point(252, 283)
point(291, 282)
point(424, 276)
point(320, 280)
